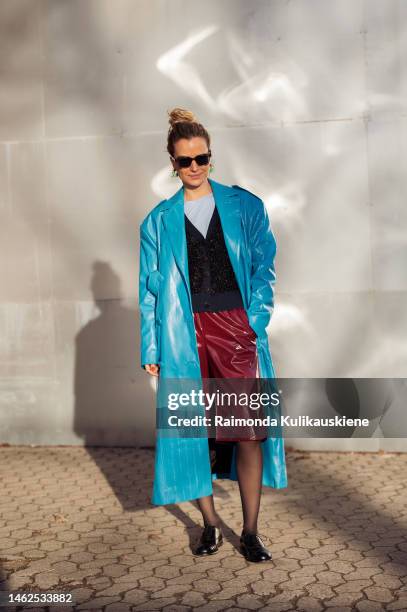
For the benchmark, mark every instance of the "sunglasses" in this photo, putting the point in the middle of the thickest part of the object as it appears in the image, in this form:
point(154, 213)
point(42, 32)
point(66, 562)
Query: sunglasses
point(201, 160)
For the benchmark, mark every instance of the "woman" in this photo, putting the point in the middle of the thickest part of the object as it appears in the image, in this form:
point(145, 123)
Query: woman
point(206, 297)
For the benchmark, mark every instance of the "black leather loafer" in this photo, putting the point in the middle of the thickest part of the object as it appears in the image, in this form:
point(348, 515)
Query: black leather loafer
point(211, 539)
point(253, 548)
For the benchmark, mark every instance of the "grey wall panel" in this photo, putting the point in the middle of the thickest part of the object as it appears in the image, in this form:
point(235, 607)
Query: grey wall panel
point(388, 188)
point(25, 269)
point(22, 70)
point(326, 335)
point(305, 103)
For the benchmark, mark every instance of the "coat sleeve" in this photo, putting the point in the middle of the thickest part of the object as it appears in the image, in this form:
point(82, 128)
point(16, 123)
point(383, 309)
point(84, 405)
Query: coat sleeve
point(263, 277)
point(147, 299)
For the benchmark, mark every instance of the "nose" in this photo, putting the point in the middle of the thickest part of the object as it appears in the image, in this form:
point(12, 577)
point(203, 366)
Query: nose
point(194, 166)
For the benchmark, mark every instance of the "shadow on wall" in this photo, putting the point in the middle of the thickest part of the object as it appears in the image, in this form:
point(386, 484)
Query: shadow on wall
point(114, 398)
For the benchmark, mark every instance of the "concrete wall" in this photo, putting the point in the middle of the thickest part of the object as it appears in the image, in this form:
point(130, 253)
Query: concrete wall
point(306, 104)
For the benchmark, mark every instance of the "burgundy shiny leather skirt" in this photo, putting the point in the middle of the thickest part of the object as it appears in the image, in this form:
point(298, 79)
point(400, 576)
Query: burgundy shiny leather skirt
point(227, 349)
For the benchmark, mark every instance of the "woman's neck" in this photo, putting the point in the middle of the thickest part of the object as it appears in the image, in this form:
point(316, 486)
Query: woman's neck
point(197, 192)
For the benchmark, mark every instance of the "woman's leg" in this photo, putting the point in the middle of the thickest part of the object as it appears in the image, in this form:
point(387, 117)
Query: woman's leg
point(232, 353)
point(207, 508)
point(249, 467)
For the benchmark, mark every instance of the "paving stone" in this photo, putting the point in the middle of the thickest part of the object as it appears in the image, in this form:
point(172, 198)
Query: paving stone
point(399, 604)
point(362, 573)
point(152, 583)
point(350, 555)
point(351, 586)
point(81, 557)
point(248, 602)
point(286, 596)
point(167, 571)
point(297, 553)
point(375, 593)
point(343, 567)
point(394, 569)
point(168, 591)
point(64, 567)
point(199, 567)
point(389, 582)
point(297, 583)
point(308, 570)
point(309, 543)
point(252, 574)
point(228, 592)
point(193, 599)
point(207, 586)
point(276, 607)
point(186, 579)
point(115, 570)
point(97, 604)
point(367, 562)
point(346, 600)
point(135, 574)
point(320, 591)
point(287, 564)
point(46, 580)
point(78, 576)
point(233, 562)
point(316, 559)
point(157, 604)
point(263, 587)
point(223, 574)
point(275, 576)
point(369, 606)
point(329, 578)
point(214, 606)
point(308, 604)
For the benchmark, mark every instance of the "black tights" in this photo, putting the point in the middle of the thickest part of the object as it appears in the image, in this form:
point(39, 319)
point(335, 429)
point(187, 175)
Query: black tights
point(249, 467)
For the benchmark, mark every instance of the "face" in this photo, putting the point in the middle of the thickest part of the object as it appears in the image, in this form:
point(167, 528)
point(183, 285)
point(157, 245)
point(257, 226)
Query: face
point(195, 175)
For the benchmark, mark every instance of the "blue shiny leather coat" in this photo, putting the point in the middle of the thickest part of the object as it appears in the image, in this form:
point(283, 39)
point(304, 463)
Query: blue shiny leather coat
point(182, 465)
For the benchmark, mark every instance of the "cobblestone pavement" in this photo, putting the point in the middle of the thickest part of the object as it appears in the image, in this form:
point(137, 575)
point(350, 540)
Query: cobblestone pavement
point(80, 520)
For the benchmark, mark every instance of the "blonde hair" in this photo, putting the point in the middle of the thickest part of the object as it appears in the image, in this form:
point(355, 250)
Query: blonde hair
point(184, 124)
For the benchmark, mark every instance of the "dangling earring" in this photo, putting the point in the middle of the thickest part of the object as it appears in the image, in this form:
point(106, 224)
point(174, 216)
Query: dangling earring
point(211, 167)
point(174, 173)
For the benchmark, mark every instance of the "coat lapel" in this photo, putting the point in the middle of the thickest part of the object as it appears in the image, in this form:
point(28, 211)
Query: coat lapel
point(228, 204)
point(174, 223)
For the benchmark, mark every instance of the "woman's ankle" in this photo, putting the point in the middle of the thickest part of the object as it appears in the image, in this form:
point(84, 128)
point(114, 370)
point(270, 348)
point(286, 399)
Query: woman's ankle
point(247, 531)
point(215, 522)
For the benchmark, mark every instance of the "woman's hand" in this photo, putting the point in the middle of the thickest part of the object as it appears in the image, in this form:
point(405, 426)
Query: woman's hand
point(152, 368)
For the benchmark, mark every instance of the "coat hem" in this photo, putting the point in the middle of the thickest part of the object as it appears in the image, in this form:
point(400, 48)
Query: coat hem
point(274, 485)
point(177, 500)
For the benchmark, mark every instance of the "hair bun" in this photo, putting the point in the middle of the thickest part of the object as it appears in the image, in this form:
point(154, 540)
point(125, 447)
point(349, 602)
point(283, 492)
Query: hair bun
point(181, 114)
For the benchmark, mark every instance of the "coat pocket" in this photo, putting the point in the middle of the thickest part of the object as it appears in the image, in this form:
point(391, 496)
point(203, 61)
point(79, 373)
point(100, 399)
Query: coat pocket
point(153, 281)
